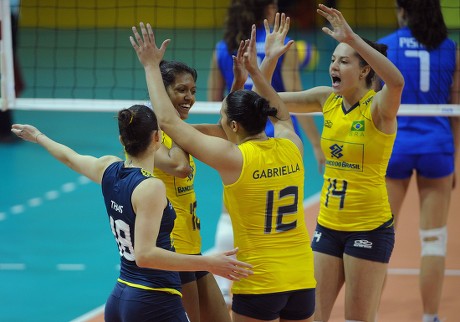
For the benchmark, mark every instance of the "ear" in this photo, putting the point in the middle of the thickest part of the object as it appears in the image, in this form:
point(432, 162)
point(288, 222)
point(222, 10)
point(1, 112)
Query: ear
point(364, 72)
point(234, 126)
point(157, 136)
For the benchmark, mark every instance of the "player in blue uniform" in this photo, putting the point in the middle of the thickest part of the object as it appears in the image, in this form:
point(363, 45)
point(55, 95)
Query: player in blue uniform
point(240, 17)
point(141, 219)
point(425, 145)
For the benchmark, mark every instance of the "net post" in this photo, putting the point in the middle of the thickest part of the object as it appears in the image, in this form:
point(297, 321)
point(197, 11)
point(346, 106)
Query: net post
point(8, 95)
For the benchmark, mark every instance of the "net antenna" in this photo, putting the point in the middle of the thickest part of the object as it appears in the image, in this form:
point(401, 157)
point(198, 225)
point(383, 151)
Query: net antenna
point(8, 95)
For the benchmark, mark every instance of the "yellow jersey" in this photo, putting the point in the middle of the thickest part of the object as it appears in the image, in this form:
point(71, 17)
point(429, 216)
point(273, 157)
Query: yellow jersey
point(354, 195)
point(180, 191)
point(266, 208)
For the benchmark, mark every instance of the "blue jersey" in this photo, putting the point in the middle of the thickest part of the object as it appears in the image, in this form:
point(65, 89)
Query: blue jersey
point(118, 184)
point(225, 65)
point(428, 76)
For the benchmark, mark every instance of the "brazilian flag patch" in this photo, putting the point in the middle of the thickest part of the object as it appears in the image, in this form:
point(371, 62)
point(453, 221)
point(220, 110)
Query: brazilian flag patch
point(358, 126)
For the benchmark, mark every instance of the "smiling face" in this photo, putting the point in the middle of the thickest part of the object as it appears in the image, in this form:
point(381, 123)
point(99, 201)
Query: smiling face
point(345, 71)
point(182, 94)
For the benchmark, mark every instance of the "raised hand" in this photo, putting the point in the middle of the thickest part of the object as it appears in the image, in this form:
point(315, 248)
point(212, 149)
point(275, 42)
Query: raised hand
point(239, 71)
point(145, 46)
point(274, 40)
point(250, 56)
point(341, 32)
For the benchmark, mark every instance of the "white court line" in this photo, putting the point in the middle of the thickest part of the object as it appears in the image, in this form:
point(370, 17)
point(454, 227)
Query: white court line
point(12, 266)
point(91, 314)
point(70, 267)
point(313, 199)
point(48, 196)
point(416, 271)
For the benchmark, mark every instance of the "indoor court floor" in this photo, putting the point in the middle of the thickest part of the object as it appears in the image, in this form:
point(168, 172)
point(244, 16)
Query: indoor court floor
point(58, 258)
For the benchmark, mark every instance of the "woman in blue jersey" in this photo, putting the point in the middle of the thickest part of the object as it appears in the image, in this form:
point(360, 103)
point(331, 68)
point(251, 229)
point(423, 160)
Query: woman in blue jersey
point(426, 145)
point(354, 236)
point(241, 14)
point(263, 182)
point(141, 219)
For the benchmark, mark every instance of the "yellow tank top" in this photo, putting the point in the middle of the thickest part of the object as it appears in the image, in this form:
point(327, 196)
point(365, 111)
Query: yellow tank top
point(180, 191)
point(266, 208)
point(354, 195)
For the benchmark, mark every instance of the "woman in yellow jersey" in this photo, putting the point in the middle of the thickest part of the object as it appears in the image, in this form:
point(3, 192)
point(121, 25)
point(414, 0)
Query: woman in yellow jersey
point(201, 295)
point(354, 237)
point(263, 181)
point(141, 219)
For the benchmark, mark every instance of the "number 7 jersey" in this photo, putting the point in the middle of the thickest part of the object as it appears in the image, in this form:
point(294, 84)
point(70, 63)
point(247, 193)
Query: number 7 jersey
point(354, 195)
point(266, 208)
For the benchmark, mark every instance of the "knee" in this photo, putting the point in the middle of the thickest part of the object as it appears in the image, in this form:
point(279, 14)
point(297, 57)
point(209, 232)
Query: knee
point(434, 241)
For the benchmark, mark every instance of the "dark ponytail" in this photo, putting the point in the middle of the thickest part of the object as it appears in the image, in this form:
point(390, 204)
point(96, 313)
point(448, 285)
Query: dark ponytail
point(135, 125)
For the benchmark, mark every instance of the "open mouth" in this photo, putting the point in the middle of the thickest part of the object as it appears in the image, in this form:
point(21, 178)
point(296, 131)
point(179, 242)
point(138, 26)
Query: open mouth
point(335, 81)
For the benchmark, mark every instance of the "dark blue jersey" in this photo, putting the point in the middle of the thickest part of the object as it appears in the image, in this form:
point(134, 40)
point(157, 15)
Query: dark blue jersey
point(118, 184)
point(428, 76)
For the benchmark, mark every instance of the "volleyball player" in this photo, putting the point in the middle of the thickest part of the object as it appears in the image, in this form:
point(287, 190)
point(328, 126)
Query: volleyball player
point(141, 219)
point(426, 146)
point(354, 237)
point(241, 14)
point(201, 295)
point(263, 184)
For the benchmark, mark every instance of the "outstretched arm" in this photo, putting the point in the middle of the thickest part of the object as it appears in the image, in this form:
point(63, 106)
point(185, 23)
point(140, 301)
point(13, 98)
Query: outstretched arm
point(292, 83)
point(149, 210)
point(87, 165)
point(174, 161)
point(282, 123)
point(386, 101)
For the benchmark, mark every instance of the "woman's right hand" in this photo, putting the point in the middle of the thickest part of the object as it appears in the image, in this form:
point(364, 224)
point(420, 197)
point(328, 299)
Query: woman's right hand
point(274, 40)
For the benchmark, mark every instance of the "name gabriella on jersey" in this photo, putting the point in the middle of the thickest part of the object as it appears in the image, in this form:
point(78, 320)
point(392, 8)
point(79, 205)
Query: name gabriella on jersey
point(276, 172)
point(116, 207)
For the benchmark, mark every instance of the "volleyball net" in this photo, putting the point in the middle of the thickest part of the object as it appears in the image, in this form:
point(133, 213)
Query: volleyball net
point(75, 54)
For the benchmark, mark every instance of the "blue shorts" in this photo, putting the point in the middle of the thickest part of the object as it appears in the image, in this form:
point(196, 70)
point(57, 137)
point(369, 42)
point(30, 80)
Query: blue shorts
point(187, 277)
point(128, 303)
point(432, 166)
point(292, 305)
point(374, 245)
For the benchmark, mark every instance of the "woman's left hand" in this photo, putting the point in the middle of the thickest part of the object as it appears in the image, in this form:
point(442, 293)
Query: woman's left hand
point(341, 32)
point(145, 46)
